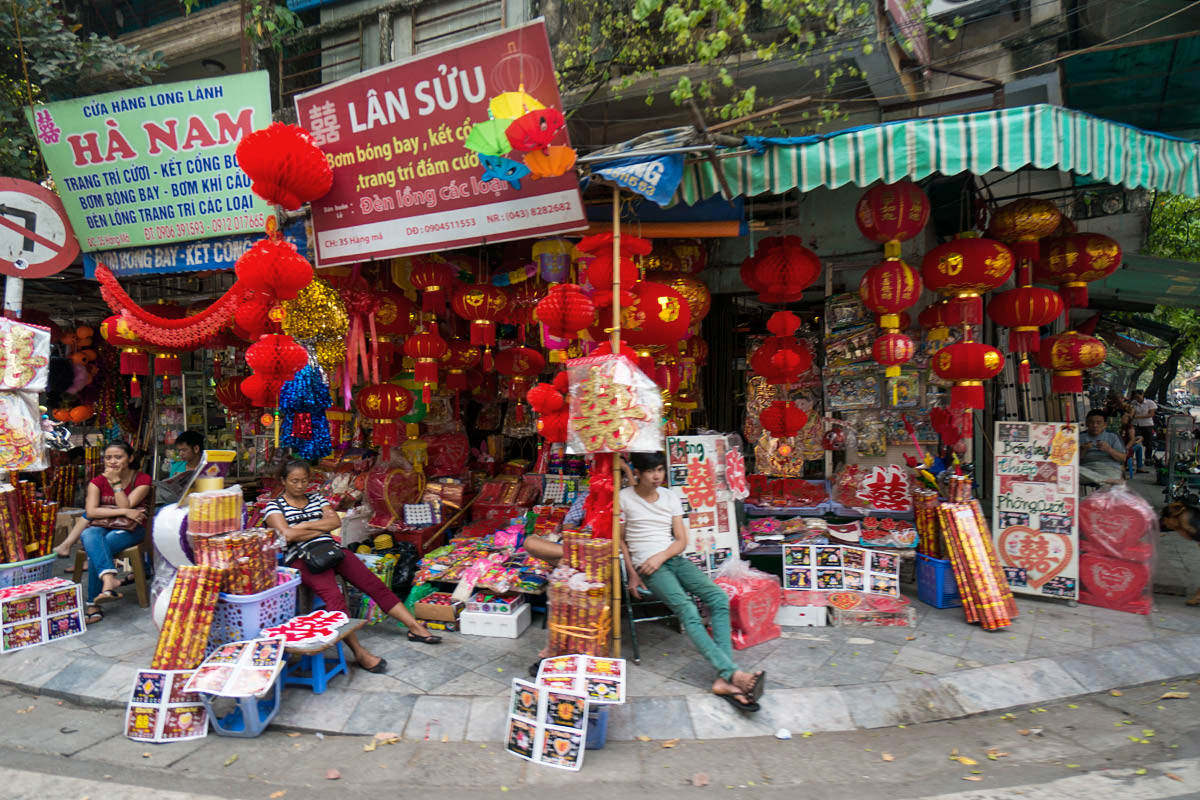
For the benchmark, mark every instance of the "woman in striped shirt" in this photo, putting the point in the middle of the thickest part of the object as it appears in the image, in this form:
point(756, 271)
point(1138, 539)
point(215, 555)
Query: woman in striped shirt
point(300, 517)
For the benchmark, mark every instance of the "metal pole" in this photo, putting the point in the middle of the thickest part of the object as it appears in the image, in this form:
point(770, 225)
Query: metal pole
point(14, 289)
point(614, 341)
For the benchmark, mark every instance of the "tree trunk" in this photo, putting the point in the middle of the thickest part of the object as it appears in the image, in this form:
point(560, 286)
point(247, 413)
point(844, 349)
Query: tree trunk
point(1133, 379)
point(1165, 372)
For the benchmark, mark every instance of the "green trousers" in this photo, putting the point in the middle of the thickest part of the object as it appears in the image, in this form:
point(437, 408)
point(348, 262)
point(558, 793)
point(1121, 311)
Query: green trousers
point(670, 583)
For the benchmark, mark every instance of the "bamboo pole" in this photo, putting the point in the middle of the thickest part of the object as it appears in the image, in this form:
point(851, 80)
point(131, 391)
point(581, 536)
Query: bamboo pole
point(614, 341)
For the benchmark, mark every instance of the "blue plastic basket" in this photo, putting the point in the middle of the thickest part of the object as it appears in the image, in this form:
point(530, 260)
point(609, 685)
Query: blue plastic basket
point(21, 572)
point(239, 617)
point(935, 583)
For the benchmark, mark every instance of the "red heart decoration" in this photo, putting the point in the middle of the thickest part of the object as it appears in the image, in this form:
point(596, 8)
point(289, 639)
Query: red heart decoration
point(1042, 555)
point(1117, 581)
point(1112, 523)
point(845, 600)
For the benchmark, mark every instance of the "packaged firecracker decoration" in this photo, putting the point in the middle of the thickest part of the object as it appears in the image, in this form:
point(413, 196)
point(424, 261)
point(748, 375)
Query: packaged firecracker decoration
point(862, 610)
point(215, 512)
point(24, 356)
point(579, 615)
point(184, 634)
point(614, 407)
point(22, 441)
point(754, 599)
point(246, 559)
point(1117, 536)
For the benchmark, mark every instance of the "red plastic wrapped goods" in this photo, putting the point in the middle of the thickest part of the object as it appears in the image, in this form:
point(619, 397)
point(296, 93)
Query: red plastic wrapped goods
point(1117, 531)
point(754, 599)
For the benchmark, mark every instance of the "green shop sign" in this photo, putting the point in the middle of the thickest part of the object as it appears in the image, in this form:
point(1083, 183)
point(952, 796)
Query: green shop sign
point(155, 164)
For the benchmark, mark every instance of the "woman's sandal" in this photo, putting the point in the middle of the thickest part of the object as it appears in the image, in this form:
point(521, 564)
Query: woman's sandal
point(426, 639)
point(93, 615)
point(379, 668)
point(732, 699)
point(108, 596)
point(760, 682)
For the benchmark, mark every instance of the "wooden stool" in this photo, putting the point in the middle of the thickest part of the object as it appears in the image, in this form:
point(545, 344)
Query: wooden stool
point(313, 669)
point(136, 556)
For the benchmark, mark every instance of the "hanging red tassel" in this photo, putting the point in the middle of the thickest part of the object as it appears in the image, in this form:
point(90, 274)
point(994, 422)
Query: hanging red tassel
point(967, 394)
point(1023, 371)
point(483, 332)
point(135, 388)
point(166, 384)
point(426, 394)
point(488, 363)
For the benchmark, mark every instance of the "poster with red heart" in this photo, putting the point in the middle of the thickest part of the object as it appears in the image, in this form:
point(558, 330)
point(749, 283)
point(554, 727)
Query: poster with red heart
point(697, 472)
point(1035, 519)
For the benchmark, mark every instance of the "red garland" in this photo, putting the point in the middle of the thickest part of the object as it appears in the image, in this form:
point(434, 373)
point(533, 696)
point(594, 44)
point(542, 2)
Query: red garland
point(185, 333)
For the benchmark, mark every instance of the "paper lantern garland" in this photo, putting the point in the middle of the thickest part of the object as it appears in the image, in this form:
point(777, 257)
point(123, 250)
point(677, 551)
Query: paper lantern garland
point(286, 166)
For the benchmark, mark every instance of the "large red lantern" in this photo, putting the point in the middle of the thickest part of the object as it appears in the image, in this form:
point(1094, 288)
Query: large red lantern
point(426, 348)
point(431, 276)
point(968, 365)
point(393, 314)
point(782, 419)
point(784, 271)
point(1073, 261)
point(274, 267)
point(1021, 223)
point(230, 395)
point(1023, 310)
point(520, 362)
point(966, 268)
point(694, 290)
point(134, 360)
point(657, 316)
point(460, 357)
point(887, 289)
point(483, 305)
point(781, 359)
point(384, 404)
point(286, 166)
point(938, 317)
point(262, 392)
point(564, 312)
point(890, 213)
point(276, 357)
point(1067, 355)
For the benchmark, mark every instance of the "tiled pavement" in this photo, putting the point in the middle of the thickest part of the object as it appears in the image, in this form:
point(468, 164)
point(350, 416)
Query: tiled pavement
point(819, 678)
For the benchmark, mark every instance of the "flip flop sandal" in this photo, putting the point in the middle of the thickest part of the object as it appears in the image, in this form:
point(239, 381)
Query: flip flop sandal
point(94, 616)
point(760, 682)
point(534, 667)
point(108, 596)
point(379, 668)
point(430, 639)
point(738, 704)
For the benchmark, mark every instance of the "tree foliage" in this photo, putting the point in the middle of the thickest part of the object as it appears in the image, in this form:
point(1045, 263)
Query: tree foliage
point(1174, 227)
point(617, 43)
point(62, 63)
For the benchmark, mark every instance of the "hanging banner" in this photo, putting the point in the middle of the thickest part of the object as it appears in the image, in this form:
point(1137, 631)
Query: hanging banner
point(696, 472)
point(1035, 519)
point(155, 164)
point(655, 178)
point(403, 183)
point(202, 256)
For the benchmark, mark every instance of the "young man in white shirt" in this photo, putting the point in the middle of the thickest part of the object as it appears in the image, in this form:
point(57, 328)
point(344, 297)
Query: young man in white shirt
point(1143, 419)
point(652, 538)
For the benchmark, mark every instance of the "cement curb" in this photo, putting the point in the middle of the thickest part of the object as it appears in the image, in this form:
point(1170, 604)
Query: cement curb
point(818, 709)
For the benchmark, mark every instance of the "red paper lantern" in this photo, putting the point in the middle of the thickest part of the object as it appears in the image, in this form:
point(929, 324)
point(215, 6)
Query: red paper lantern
point(782, 419)
point(427, 348)
point(1067, 355)
point(393, 314)
point(276, 357)
point(275, 267)
point(781, 360)
point(520, 362)
point(656, 316)
point(384, 404)
point(460, 357)
point(1073, 261)
point(1021, 223)
point(949, 313)
point(968, 365)
point(286, 166)
point(601, 243)
point(522, 305)
point(1023, 310)
point(565, 311)
point(535, 129)
point(229, 394)
point(263, 393)
point(483, 305)
point(891, 350)
point(134, 360)
point(431, 276)
point(891, 213)
point(966, 268)
point(784, 271)
point(600, 274)
point(167, 366)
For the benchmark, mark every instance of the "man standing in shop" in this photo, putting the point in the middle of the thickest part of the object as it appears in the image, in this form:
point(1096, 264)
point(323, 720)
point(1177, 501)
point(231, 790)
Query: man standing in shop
point(652, 538)
point(1143, 419)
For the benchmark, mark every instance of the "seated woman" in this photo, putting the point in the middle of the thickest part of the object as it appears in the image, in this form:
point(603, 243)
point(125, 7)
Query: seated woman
point(300, 517)
point(116, 512)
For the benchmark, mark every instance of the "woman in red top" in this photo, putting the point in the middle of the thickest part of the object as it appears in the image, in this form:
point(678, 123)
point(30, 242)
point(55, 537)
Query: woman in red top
point(116, 506)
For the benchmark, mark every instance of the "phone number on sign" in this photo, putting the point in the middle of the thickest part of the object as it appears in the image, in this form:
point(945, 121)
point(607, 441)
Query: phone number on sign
point(195, 228)
point(437, 227)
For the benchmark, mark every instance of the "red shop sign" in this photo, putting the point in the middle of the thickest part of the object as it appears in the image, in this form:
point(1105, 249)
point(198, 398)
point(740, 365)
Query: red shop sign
point(403, 183)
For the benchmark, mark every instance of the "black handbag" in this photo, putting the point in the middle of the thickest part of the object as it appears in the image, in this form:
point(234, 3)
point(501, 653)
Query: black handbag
point(321, 553)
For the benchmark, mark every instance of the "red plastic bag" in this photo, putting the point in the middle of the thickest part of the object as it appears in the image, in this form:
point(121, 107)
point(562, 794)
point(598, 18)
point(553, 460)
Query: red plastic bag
point(754, 599)
point(1117, 533)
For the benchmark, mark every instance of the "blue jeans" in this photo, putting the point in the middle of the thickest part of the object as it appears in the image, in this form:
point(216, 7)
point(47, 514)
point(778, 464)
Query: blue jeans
point(671, 583)
point(100, 544)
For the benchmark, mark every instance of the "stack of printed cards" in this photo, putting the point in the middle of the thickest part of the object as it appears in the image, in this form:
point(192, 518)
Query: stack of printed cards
point(40, 612)
point(310, 629)
point(240, 669)
point(829, 567)
point(547, 726)
point(161, 709)
point(601, 679)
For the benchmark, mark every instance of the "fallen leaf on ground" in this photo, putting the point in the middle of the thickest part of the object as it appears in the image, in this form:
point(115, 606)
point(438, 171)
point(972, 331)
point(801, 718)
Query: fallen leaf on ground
point(1141, 771)
point(389, 737)
point(1072, 766)
point(994, 754)
point(370, 747)
point(1175, 696)
point(887, 757)
point(1024, 731)
point(145, 755)
point(1174, 777)
point(700, 779)
point(670, 743)
point(966, 761)
point(1072, 705)
point(806, 734)
point(231, 759)
point(280, 793)
point(1116, 693)
point(332, 774)
point(643, 738)
point(972, 777)
point(293, 735)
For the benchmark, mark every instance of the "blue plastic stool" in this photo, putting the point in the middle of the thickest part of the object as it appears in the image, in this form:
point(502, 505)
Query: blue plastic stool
point(249, 717)
point(314, 670)
point(597, 728)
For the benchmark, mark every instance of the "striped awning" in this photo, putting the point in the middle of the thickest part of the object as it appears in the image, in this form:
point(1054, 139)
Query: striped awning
point(1042, 136)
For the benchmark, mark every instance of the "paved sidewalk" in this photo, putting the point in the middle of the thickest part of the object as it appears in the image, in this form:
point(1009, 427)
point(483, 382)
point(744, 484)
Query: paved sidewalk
point(820, 679)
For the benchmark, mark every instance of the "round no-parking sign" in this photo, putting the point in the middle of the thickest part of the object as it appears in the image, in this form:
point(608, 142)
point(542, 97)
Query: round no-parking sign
point(36, 239)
